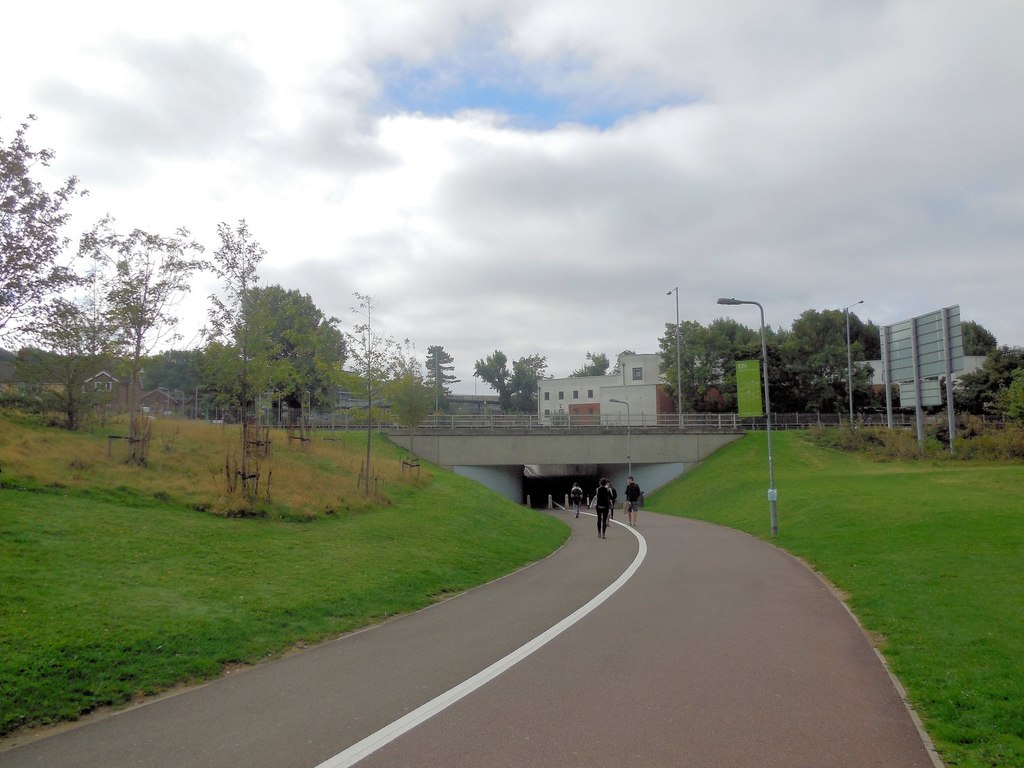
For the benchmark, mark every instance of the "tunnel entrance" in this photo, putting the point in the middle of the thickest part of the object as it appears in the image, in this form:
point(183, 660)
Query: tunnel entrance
point(539, 482)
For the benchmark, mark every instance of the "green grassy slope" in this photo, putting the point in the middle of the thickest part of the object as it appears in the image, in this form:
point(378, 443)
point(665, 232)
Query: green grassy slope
point(931, 555)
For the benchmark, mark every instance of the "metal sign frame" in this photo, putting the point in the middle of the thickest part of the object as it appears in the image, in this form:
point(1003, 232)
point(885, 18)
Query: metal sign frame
point(925, 348)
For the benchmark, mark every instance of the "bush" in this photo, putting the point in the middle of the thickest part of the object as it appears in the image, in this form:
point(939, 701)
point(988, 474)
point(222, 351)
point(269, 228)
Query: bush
point(975, 439)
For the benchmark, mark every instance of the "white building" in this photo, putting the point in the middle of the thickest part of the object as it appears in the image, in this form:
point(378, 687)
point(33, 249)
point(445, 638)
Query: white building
point(588, 399)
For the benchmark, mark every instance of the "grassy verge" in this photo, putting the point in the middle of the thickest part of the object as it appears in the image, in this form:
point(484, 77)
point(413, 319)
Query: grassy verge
point(106, 595)
point(931, 555)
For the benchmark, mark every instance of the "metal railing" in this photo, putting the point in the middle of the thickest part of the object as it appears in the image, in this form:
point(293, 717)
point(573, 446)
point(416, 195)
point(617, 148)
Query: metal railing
point(664, 421)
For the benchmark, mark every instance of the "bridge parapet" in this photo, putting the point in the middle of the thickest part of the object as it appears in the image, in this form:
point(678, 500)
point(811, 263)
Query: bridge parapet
point(504, 447)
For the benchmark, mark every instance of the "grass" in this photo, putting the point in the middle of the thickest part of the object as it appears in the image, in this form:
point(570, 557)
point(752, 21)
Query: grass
point(114, 583)
point(930, 553)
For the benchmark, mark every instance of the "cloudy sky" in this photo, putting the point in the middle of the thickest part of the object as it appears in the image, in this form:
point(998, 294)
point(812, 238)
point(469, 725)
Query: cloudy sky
point(534, 175)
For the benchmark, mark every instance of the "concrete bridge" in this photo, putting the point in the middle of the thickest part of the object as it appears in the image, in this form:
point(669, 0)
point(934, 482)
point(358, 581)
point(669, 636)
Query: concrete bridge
point(528, 464)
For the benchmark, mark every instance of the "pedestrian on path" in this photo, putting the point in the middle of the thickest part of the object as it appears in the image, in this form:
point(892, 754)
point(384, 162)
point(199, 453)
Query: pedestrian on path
point(633, 495)
point(576, 496)
point(602, 504)
point(615, 496)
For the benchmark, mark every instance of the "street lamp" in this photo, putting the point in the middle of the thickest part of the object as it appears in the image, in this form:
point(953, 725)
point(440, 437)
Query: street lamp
point(679, 384)
point(772, 493)
point(629, 453)
point(849, 359)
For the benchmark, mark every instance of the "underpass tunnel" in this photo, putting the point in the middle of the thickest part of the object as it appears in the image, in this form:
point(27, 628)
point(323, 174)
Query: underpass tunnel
point(542, 481)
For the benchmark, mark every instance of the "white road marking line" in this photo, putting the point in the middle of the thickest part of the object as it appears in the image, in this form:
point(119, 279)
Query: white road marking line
point(389, 733)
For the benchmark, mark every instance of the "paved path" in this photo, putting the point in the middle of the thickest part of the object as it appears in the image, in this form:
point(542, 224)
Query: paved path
point(720, 650)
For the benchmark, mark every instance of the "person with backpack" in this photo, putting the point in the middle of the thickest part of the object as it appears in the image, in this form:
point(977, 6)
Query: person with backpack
point(575, 497)
point(633, 496)
point(602, 504)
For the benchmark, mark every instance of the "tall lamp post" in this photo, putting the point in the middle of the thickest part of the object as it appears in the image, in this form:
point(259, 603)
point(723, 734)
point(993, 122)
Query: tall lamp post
point(679, 383)
point(772, 493)
point(849, 359)
point(629, 453)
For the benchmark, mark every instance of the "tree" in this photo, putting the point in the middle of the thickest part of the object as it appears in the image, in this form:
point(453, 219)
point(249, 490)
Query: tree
point(439, 375)
point(526, 375)
point(517, 389)
point(75, 344)
point(978, 392)
point(493, 370)
point(597, 365)
point(301, 345)
point(977, 340)
point(146, 276)
point(707, 358)
point(231, 366)
point(618, 360)
point(1010, 400)
point(31, 244)
point(411, 397)
point(815, 359)
point(375, 358)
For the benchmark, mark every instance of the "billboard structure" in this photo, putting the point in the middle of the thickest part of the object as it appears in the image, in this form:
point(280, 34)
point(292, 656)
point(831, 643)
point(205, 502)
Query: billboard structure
point(918, 354)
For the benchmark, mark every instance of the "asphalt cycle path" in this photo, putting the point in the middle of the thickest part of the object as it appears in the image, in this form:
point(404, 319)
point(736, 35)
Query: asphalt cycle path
point(675, 644)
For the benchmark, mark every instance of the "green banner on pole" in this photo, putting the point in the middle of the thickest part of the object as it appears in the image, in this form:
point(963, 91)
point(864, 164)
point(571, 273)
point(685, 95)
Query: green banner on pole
point(748, 388)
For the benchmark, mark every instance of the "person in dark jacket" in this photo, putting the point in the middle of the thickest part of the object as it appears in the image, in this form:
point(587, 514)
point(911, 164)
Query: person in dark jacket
point(603, 504)
point(633, 495)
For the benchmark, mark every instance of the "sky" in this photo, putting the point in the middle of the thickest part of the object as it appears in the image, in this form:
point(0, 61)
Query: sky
point(539, 176)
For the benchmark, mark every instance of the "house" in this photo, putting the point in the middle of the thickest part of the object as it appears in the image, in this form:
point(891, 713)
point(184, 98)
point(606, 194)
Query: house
point(162, 402)
point(108, 390)
point(634, 392)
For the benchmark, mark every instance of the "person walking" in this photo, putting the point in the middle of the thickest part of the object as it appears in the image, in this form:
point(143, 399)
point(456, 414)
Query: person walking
point(602, 504)
point(615, 497)
point(576, 496)
point(633, 495)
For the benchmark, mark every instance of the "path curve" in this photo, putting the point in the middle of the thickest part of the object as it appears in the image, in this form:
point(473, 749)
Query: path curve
point(721, 650)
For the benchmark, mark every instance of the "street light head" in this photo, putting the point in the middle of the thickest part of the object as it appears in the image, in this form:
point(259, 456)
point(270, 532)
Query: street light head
point(730, 302)
point(613, 400)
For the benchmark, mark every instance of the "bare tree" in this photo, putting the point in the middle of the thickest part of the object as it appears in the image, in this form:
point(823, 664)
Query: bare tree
point(374, 357)
point(232, 349)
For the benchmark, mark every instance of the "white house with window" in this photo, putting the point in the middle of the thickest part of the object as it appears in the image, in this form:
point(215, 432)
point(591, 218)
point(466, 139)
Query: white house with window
point(588, 399)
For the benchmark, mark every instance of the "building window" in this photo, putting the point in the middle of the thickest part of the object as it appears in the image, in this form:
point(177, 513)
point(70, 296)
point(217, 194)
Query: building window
point(102, 386)
point(638, 374)
point(590, 394)
point(547, 395)
point(561, 395)
point(575, 394)
point(547, 411)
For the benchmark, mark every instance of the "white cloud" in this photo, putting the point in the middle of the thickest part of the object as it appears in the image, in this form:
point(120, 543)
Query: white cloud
point(806, 154)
